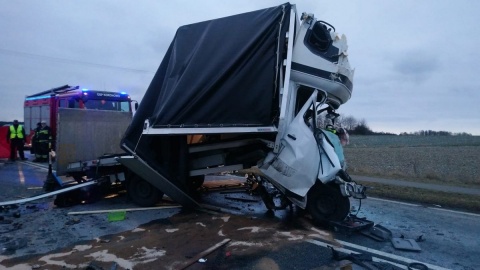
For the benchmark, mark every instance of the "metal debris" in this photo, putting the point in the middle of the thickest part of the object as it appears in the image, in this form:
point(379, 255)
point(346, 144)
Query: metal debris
point(405, 244)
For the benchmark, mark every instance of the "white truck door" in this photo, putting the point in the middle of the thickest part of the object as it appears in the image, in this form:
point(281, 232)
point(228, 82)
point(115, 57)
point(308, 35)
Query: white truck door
point(296, 165)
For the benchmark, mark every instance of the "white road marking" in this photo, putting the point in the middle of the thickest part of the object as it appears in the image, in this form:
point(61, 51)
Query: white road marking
point(455, 212)
point(372, 252)
point(40, 166)
point(385, 200)
point(429, 207)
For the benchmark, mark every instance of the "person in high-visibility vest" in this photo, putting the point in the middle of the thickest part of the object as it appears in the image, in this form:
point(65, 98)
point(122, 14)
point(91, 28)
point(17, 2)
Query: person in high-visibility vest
point(43, 142)
point(16, 138)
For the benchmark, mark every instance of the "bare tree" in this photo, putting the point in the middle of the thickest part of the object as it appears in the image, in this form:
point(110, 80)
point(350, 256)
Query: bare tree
point(349, 122)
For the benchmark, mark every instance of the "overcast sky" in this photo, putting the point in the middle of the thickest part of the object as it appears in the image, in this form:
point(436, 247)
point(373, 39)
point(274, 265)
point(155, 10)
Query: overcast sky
point(415, 61)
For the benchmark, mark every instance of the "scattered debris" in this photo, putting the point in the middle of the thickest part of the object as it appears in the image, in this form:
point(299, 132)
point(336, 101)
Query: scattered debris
point(420, 238)
point(377, 233)
point(116, 216)
point(202, 260)
point(351, 224)
point(405, 244)
point(205, 253)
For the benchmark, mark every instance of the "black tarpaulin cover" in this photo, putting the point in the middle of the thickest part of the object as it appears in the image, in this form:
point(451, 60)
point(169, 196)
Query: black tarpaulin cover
point(222, 72)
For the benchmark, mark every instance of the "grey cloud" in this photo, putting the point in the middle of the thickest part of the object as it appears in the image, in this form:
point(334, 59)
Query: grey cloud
point(402, 75)
point(416, 66)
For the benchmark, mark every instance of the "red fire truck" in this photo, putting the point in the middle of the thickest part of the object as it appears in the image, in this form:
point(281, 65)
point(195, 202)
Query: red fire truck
point(44, 105)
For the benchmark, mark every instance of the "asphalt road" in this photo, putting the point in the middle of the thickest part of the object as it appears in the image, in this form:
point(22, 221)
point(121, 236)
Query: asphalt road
point(42, 235)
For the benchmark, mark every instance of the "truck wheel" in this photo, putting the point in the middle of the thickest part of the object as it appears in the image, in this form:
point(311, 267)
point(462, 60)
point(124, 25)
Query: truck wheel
point(143, 193)
point(326, 203)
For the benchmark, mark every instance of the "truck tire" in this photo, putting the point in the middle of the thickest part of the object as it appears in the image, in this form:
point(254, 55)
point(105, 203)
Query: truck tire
point(143, 193)
point(326, 203)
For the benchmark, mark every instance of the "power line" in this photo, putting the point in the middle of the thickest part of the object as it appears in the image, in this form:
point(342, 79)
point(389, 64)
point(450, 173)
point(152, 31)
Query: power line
point(64, 60)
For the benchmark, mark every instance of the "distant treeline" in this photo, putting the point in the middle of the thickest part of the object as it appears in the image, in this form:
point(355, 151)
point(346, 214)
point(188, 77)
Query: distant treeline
point(360, 127)
point(434, 133)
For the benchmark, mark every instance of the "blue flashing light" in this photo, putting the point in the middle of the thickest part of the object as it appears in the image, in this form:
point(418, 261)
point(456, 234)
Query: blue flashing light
point(39, 97)
point(84, 89)
point(123, 93)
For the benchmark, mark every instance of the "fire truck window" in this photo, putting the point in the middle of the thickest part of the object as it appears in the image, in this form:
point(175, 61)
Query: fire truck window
point(105, 105)
point(72, 103)
point(125, 106)
point(62, 103)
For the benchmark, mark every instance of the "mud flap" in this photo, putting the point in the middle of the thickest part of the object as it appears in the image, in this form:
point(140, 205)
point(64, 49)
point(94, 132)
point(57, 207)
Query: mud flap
point(146, 172)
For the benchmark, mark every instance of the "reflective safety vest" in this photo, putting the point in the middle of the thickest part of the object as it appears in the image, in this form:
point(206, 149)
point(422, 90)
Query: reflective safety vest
point(44, 134)
point(16, 133)
point(331, 130)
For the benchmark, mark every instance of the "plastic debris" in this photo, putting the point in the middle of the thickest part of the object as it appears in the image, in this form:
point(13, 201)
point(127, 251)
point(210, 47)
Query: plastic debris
point(420, 238)
point(405, 244)
point(116, 216)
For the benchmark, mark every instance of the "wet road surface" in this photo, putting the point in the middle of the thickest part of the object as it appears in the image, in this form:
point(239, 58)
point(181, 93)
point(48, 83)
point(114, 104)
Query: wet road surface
point(41, 234)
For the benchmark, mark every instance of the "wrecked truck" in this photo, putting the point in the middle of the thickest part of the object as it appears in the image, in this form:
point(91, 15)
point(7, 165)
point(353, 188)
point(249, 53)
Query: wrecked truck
point(240, 92)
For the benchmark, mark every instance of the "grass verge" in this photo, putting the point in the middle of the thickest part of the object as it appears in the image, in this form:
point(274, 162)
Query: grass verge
point(454, 201)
